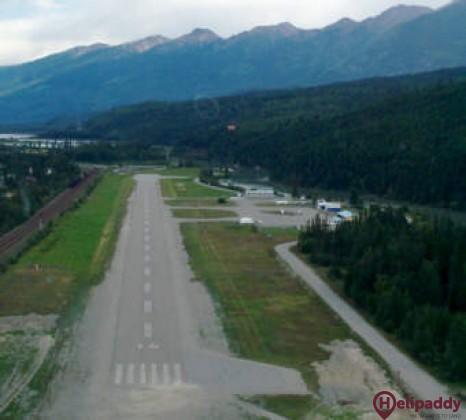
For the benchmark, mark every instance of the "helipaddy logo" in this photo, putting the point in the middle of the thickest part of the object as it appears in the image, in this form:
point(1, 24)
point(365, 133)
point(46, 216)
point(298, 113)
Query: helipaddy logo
point(385, 403)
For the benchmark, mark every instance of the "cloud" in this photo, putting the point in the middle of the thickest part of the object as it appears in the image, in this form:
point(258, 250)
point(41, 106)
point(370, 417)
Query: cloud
point(33, 28)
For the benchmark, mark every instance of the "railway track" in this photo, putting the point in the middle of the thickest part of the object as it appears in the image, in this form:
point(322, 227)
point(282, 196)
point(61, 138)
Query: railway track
point(14, 240)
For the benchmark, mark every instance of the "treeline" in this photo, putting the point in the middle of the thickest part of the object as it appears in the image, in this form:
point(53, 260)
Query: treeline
point(193, 122)
point(412, 147)
point(108, 152)
point(400, 138)
point(28, 181)
point(410, 276)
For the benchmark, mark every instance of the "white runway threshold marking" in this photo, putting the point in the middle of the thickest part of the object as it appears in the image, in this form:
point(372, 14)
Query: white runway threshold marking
point(143, 374)
point(163, 374)
point(148, 330)
point(177, 369)
point(166, 373)
point(154, 375)
point(130, 374)
point(147, 307)
point(118, 374)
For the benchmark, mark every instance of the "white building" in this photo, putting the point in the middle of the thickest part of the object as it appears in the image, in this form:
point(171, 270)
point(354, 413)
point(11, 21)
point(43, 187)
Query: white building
point(328, 206)
point(320, 204)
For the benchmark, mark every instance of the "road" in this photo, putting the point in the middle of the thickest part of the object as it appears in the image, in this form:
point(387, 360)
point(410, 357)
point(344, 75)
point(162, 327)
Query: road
point(417, 381)
point(141, 349)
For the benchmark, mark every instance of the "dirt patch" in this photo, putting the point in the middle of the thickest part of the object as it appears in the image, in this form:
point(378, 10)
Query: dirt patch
point(21, 370)
point(28, 323)
point(349, 379)
point(24, 344)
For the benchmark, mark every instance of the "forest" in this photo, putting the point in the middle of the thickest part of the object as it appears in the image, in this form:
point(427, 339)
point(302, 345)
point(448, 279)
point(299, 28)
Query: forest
point(408, 273)
point(191, 122)
point(30, 180)
point(411, 147)
point(110, 152)
point(400, 138)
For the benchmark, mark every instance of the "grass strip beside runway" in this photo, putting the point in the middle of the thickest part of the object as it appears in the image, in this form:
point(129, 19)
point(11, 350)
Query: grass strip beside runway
point(187, 188)
point(71, 257)
point(268, 315)
point(202, 213)
point(187, 172)
point(55, 277)
point(198, 202)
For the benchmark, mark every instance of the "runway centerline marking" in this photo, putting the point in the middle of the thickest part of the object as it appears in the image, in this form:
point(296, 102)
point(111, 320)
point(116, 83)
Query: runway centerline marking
point(147, 288)
point(148, 330)
point(147, 307)
point(147, 258)
point(147, 247)
point(147, 272)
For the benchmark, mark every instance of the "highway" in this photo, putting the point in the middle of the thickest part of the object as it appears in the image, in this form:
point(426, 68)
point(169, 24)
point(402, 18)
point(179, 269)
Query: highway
point(139, 352)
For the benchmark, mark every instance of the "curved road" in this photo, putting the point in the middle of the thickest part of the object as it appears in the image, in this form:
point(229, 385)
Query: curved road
point(416, 380)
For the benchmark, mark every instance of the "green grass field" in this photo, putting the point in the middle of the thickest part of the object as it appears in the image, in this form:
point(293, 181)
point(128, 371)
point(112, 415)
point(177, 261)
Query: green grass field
point(187, 188)
point(202, 213)
point(71, 257)
point(198, 202)
point(268, 315)
point(55, 276)
point(16, 352)
point(187, 172)
point(192, 172)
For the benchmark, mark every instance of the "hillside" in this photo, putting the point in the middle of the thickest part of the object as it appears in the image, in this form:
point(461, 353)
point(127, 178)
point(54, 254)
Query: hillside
point(85, 80)
point(402, 137)
point(411, 147)
point(192, 122)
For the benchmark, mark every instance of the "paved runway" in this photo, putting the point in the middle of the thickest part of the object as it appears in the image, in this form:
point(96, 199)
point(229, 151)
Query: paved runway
point(148, 343)
point(138, 351)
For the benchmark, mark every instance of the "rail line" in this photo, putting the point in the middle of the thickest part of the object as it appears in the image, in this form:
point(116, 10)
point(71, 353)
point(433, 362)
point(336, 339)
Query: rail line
point(12, 241)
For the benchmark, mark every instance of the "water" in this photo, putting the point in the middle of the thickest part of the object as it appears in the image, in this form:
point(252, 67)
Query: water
point(30, 140)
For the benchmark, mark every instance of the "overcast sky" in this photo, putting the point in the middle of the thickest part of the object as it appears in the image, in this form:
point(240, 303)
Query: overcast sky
point(33, 28)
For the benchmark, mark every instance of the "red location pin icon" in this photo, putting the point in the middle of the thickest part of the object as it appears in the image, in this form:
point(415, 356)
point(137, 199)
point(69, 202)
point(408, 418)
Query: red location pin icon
point(384, 404)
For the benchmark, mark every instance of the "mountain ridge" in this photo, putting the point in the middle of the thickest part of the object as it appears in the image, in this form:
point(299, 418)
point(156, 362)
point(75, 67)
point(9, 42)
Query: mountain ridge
point(283, 28)
point(87, 79)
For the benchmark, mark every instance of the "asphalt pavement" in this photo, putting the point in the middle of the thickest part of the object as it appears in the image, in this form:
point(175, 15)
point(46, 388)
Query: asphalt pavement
point(138, 351)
